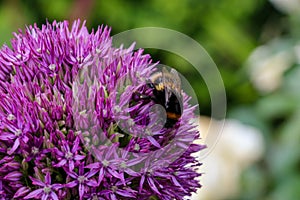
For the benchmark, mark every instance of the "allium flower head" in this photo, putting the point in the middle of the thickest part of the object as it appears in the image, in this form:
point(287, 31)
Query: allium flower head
point(78, 121)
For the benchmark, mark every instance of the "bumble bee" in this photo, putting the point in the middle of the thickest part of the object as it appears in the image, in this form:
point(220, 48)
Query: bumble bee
point(163, 88)
point(166, 91)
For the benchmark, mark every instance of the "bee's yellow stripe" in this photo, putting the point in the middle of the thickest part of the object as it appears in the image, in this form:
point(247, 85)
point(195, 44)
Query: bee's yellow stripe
point(171, 115)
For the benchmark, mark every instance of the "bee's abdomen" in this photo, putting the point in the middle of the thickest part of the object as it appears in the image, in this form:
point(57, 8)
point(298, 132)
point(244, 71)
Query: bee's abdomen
point(173, 110)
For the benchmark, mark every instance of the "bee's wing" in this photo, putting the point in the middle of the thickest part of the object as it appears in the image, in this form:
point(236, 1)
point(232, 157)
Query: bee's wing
point(176, 79)
point(172, 81)
point(165, 81)
point(164, 73)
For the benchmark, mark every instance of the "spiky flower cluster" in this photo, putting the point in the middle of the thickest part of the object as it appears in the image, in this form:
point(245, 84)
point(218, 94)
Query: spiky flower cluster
point(71, 129)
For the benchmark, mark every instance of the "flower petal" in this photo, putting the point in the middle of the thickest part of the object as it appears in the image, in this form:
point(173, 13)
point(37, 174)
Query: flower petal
point(48, 178)
point(61, 163)
point(71, 165)
point(93, 165)
point(92, 183)
point(5, 136)
point(72, 174)
point(125, 193)
point(141, 183)
point(153, 141)
point(57, 186)
point(21, 192)
point(152, 185)
point(91, 173)
point(81, 191)
point(15, 146)
point(75, 146)
point(13, 176)
point(79, 157)
point(34, 194)
point(71, 184)
point(45, 196)
point(53, 195)
point(37, 182)
point(101, 176)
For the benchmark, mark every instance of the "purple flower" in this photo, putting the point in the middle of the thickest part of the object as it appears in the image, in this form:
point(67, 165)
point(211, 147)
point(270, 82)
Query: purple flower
point(82, 180)
point(77, 121)
point(16, 133)
point(45, 190)
point(115, 191)
point(68, 156)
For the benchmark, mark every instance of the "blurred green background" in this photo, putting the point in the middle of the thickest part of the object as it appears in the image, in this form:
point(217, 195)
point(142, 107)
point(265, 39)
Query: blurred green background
point(255, 44)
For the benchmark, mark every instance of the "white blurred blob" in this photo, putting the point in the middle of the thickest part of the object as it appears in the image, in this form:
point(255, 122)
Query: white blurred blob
point(238, 147)
point(287, 6)
point(266, 67)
